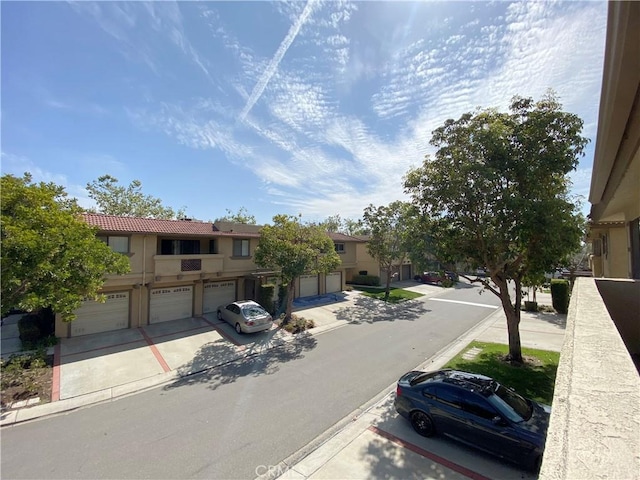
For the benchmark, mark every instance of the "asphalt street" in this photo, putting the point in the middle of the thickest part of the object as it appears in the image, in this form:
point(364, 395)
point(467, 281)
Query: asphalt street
point(246, 415)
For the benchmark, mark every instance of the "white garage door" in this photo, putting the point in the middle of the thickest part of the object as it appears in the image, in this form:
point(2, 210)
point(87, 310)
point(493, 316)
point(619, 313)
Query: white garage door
point(217, 294)
point(96, 317)
point(171, 303)
point(333, 282)
point(308, 285)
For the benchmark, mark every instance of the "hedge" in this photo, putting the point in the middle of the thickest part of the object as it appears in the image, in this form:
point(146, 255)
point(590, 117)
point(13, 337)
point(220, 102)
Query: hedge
point(560, 295)
point(371, 280)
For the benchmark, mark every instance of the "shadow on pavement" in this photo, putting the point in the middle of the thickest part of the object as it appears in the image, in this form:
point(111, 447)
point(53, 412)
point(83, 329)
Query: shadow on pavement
point(369, 310)
point(220, 362)
point(553, 318)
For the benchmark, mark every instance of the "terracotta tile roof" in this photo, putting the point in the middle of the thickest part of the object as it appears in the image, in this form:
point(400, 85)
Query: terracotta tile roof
point(341, 237)
point(114, 223)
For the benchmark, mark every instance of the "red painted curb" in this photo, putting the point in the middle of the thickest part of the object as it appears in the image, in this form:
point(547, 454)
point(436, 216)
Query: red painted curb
point(55, 384)
point(155, 351)
point(431, 456)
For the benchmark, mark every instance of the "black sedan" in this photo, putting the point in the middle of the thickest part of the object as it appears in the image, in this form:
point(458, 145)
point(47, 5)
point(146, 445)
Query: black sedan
point(475, 410)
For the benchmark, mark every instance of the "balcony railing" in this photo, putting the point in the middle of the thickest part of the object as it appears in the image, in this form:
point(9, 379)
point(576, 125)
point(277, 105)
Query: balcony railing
point(594, 431)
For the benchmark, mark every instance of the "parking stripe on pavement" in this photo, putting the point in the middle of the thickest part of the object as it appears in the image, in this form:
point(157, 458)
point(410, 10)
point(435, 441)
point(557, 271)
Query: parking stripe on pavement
point(494, 307)
point(155, 351)
point(431, 456)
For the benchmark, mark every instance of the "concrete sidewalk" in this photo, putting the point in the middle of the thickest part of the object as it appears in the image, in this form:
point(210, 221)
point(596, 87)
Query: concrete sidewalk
point(375, 442)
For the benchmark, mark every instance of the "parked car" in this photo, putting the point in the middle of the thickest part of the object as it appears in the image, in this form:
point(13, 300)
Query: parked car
point(246, 316)
point(475, 410)
point(430, 277)
point(453, 276)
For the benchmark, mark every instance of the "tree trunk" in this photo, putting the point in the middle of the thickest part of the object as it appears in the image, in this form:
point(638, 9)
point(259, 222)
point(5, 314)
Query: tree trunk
point(386, 291)
point(291, 290)
point(512, 312)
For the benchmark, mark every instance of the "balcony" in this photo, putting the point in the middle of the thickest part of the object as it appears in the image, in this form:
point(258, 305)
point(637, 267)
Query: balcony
point(173, 265)
point(594, 430)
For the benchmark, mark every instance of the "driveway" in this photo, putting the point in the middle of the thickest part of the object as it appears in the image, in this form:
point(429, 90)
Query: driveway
point(130, 360)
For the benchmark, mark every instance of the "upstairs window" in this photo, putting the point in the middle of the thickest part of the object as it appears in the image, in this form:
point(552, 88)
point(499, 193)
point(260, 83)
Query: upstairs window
point(339, 247)
point(240, 247)
point(117, 244)
point(213, 246)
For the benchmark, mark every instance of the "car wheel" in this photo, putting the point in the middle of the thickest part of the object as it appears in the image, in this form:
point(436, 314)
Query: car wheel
point(238, 328)
point(422, 423)
point(219, 315)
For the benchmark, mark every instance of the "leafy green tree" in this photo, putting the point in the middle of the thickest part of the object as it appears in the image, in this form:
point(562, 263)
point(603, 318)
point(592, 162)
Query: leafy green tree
point(114, 199)
point(50, 256)
point(354, 227)
point(295, 249)
point(389, 236)
point(241, 216)
point(497, 195)
point(332, 223)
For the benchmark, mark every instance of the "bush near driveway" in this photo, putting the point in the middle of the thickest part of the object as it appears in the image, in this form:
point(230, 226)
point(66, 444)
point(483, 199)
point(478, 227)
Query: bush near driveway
point(396, 295)
point(25, 376)
point(535, 379)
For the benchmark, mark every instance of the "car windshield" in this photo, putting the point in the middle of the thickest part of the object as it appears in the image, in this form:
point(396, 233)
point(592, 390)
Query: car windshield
point(515, 407)
point(253, 311)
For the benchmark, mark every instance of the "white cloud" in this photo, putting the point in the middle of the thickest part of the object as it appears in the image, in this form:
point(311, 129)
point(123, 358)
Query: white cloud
point(275, 60)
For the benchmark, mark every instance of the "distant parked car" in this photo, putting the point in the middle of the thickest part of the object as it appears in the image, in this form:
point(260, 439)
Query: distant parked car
point(475, 410)
point(246, 316)
point(453, 276)
point(430, 277)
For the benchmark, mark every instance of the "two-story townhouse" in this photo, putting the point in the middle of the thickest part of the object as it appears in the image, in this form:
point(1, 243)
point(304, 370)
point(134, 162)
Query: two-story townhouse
point(183, 268)
point(366, 263)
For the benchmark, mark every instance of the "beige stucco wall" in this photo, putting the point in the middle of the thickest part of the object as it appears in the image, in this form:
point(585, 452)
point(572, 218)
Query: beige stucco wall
point(366, 261)
point(616, 262)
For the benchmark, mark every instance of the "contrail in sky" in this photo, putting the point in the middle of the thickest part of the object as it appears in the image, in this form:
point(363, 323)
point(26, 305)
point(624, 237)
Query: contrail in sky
point(275, 61)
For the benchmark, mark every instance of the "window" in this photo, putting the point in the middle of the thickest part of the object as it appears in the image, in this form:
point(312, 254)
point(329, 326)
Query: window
point(478, 406)
point(339, 247)
point(117, 244)
point(213, 246)
point(179, 247)
point(449, 396)
point(240, 247)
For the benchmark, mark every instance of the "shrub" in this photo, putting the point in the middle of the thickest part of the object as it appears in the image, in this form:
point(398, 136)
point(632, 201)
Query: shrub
point(37, 329)
point(298, 324)
point(447, 283)
point(560, 295)
point(530, 306)
point(265, 297)
point(371, 280)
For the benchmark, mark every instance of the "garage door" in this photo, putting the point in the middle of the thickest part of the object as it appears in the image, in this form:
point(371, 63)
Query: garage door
point(96, 317)
point(406, 272)
point(171, 303)
point(217, 294)
point(333, 282)
point(308, 285)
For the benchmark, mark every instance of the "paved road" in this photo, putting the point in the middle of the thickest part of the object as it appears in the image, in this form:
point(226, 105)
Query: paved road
point(243, 415)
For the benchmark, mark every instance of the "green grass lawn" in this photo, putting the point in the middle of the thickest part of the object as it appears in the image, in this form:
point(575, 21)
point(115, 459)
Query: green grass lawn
point(396, 295)
point(534, 380)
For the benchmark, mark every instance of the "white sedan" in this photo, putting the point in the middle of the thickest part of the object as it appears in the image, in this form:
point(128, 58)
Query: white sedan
point(246, 316)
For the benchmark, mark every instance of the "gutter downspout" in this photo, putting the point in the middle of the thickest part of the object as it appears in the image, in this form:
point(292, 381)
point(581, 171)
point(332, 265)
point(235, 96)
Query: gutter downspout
point(144, 271)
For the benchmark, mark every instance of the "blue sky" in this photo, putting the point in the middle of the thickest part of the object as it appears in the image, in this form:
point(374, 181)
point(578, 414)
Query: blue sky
point(316, 107)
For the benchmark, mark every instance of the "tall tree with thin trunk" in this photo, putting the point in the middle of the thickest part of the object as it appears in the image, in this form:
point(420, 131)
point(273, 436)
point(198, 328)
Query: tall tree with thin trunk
point(389, 234)
point(295, 249)
point(496, 195)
